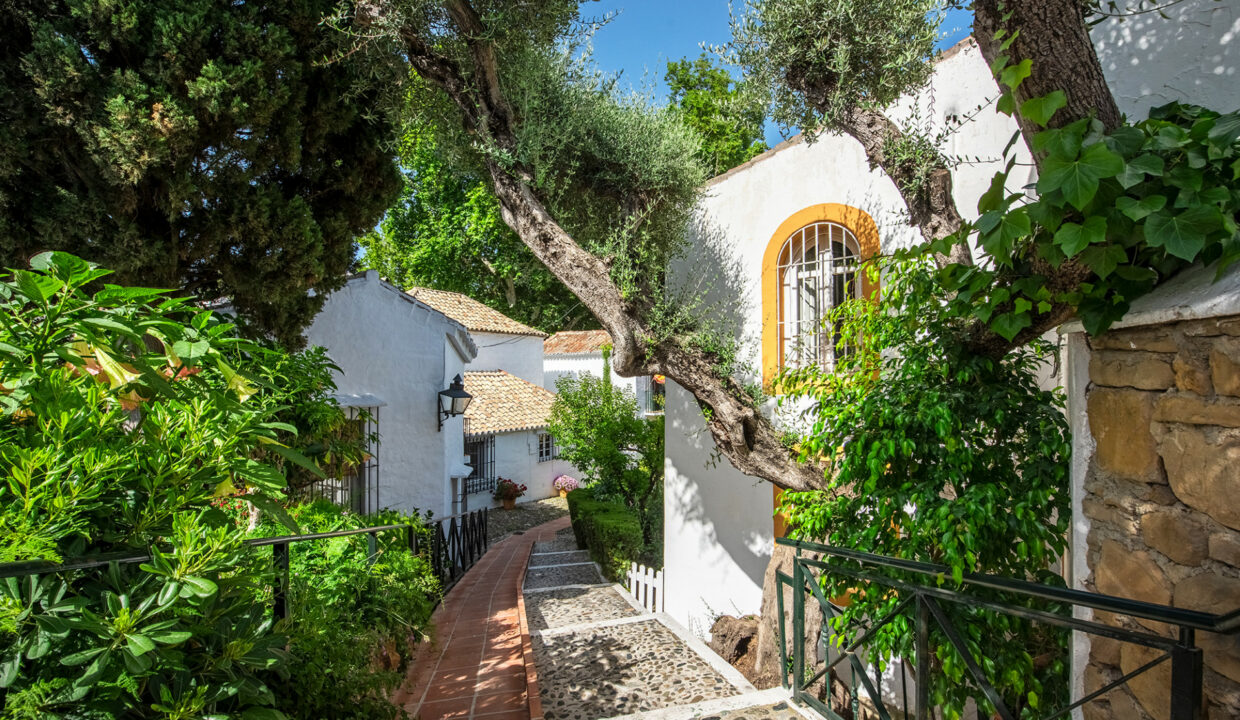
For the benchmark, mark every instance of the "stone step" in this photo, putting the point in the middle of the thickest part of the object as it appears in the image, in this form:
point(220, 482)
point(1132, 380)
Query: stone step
point(559, 558)
point(770, 704)
point(566, 607)
point(537, 578)
point(620, 669)
point(560, 544)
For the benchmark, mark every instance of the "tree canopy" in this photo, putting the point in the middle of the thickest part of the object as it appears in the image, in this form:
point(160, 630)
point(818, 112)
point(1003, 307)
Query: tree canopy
point(446, 232)
point(202, 145)
point(707, 99)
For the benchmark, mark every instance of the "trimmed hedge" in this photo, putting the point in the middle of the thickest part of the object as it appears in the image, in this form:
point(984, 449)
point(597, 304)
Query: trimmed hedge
point(611, 533)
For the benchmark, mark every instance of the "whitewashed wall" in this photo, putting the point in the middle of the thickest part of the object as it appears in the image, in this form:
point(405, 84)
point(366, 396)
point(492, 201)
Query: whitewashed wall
point(576, 365)
point(718, 522)
point(404, 353)
point(516, 458)
point(520, 355)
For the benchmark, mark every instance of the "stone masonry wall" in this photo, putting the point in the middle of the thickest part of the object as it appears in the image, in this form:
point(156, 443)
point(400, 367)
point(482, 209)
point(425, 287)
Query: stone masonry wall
point(1162, 494)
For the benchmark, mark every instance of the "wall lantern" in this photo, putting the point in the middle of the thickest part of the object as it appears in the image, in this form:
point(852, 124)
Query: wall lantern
point(453, 401)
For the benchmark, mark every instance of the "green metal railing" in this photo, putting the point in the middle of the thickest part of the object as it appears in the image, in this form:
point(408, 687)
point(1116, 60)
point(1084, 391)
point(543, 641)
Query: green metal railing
point(925, 602)
point(457, 542)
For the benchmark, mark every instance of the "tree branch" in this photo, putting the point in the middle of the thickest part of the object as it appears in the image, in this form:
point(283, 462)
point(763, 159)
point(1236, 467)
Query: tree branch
point(745, 436)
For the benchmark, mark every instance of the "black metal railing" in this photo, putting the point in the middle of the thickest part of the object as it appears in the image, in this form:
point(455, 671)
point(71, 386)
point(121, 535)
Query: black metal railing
point(457, 543)
point(924, 603)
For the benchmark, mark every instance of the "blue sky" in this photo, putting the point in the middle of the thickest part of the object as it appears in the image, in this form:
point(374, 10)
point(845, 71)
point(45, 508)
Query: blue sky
point(646, 34)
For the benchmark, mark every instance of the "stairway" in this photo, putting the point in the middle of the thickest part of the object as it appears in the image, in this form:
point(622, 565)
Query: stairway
point(598, 654)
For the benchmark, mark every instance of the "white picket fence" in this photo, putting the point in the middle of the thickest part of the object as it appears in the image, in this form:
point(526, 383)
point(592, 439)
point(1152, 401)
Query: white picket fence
point(646, 586)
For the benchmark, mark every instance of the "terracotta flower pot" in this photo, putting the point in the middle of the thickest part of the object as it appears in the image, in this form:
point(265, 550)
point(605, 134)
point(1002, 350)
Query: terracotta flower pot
point(563, 493)
point(509, 503)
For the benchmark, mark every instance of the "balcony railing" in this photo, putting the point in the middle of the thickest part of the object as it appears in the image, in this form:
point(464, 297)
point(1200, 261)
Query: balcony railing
point(921, 605)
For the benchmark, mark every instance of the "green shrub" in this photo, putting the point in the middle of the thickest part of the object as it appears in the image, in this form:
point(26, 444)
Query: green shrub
point(609, 530)
point(121, 419)
point(348, 611)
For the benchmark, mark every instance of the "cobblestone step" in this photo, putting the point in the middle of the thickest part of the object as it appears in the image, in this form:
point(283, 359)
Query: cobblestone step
point(559, 558)
point(599, 654)
point(770, 704)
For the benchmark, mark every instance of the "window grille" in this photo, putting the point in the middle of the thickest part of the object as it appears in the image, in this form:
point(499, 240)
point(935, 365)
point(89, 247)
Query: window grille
point(818, 268)
point(546, 447)
point(481, 452)
point(354, 487)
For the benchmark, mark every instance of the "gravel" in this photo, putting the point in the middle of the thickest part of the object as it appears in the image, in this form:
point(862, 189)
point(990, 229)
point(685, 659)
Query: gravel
point(501, 523)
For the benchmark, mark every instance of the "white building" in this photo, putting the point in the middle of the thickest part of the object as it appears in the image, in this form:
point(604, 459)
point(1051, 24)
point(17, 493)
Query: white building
point(395, 355)
point(506, 423)
point(774, 215)
point(573, 353)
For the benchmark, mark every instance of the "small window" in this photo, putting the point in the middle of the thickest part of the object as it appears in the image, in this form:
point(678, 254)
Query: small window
point(546, 447)
point(481, 452)
point(818, 268)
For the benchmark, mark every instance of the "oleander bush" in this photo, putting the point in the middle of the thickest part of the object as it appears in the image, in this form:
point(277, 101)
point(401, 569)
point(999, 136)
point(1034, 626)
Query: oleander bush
point(128, 426)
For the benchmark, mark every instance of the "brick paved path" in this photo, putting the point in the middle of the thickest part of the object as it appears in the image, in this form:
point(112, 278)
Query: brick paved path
point(473, 667)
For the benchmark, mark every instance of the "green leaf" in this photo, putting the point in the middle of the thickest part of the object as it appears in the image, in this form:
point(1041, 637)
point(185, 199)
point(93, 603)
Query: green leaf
point(1184, 234)
point(1103, 259)
point(201, 587)
point(1009, 325)
point(268, 504)
point(139, 644)
point(1073, 238)
point(1001, 240)
point(1014, 75)
point(170, 637)
point(263, 713)
point(1226, 130)
point(1078, 179)
point(295, 457)
point(79, 658)
point(1137, 209)
point(1041, 109)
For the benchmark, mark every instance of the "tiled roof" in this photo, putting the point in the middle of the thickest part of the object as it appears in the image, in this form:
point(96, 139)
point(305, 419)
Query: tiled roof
point(573, 342)
point(472, 314)
point(504, 403)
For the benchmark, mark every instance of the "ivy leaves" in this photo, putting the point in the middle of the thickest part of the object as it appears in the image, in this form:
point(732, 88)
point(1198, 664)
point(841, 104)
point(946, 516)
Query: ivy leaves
point(1132, 206)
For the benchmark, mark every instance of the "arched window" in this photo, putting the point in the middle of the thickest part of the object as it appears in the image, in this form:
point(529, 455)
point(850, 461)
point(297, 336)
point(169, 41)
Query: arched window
point(817, 271)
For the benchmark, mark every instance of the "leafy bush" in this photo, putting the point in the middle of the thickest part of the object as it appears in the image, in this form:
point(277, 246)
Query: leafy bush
point(936, 454)
point(354, 617)
point(611, 533)
point(598, 429)
point(121, 418)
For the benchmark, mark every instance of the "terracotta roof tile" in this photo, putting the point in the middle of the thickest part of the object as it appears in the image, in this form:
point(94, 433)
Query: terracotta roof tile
point(472, 314)
point(573, 342)
point(504, 403)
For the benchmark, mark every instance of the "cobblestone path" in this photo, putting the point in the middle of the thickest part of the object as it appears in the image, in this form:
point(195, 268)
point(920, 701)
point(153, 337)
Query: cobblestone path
point(598, 654)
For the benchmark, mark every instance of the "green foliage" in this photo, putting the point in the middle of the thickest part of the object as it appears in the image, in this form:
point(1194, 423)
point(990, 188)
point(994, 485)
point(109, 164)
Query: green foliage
point(203, 145)
point(724, 116)
point(942, 456)
point(446, 232)
point(120, 420)
point(609, 530)
point(813, 59)
point(597, 428)
point(352, 615)
point(1130, 208)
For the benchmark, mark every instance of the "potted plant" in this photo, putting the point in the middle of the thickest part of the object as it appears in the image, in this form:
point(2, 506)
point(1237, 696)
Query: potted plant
point(565, 484)
point(507, 492)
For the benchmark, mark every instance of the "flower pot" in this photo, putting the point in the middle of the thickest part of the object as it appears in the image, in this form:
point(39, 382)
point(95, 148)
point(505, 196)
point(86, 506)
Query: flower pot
point(563, 493)
point(509, 503)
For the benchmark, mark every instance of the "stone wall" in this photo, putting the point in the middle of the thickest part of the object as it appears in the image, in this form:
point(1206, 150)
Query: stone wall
point(1162, 495)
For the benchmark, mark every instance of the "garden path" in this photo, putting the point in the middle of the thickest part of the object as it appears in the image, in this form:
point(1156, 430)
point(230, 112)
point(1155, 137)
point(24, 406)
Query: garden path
point(474, 666)
point(598, 654)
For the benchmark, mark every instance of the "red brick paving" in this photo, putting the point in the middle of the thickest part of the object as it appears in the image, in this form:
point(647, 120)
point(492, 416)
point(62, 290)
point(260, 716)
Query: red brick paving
point(473, 666)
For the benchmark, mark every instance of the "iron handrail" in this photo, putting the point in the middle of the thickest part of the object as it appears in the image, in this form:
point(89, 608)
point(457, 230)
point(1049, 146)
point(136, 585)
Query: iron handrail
point(1185, 693)
point(1223, 624)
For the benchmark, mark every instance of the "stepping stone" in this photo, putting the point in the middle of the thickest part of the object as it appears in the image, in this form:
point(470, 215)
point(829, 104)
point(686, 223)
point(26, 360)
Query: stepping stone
point(560, 558)
point(575, 606)
point(621, 669)
point(547, 577)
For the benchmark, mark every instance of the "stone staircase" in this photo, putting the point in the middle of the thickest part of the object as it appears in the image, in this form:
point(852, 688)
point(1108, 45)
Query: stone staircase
point(598, 654)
